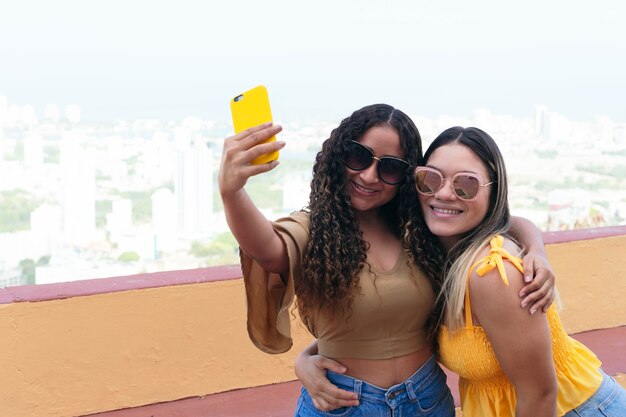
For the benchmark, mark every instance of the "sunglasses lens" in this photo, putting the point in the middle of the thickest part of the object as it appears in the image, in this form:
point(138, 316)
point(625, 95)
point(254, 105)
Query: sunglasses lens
point(392, 171)
point(428, 182)
point(466, 186)
point(357, 157)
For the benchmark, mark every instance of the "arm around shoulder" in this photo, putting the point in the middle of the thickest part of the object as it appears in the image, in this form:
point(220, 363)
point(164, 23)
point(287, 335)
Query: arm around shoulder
point(539, 292)
point(527, 233)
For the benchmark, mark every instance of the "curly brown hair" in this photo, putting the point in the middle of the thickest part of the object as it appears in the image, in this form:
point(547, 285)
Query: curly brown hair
point(336, 251)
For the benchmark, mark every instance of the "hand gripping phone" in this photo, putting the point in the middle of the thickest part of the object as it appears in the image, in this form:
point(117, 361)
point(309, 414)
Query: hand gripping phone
point(250, 109)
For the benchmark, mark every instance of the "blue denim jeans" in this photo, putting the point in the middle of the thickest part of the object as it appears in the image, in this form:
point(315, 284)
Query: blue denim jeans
point(425, 393)
point(608, 401)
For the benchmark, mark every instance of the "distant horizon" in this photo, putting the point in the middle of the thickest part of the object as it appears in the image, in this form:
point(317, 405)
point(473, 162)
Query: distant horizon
point(158, 60)
point(220, 113)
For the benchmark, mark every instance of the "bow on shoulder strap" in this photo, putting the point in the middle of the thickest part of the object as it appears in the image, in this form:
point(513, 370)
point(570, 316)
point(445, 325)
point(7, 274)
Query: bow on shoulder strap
point(495, 259)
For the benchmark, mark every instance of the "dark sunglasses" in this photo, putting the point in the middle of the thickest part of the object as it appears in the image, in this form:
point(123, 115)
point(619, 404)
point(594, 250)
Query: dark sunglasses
point(465, 185)
point(391, 170)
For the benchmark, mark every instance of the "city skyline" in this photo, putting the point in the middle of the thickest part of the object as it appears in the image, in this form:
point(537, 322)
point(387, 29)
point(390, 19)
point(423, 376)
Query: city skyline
point(120, 198)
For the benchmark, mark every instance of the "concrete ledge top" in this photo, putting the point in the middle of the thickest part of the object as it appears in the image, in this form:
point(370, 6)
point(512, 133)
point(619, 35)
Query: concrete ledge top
point(45, 292)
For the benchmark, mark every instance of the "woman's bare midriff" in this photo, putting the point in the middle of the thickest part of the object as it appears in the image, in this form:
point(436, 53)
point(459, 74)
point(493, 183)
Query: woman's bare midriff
point(385, 373)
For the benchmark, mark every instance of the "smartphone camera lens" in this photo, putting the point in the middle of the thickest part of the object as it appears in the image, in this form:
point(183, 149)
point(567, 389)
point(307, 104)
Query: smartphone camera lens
point(238, 98)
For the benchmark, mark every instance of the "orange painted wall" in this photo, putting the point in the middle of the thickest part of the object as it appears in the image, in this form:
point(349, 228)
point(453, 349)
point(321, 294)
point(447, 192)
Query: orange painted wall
point(591, 279)
point(104, 352)
point(81, 355)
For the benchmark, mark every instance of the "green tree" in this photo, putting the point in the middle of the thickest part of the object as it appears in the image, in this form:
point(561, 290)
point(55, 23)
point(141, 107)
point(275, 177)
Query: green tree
point(546, 154)
point(51, 154)
point(28, 267)
point(103, 207)
point(15, 209)
point(141, 201)
point(128, 257)
point(142, 205)
point(220, 251)
point(17, 154)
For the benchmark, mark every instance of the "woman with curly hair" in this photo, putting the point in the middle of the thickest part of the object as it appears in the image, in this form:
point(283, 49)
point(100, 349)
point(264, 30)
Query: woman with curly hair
point(359, 260)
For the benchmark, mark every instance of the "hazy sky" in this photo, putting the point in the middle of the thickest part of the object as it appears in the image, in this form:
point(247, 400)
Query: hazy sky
point(319, 60)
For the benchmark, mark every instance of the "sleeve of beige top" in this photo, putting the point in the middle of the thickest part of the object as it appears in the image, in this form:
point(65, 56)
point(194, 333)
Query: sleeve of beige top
point(269, 295)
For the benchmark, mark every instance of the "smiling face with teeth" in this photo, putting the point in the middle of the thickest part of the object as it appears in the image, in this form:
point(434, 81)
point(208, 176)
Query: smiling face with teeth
point(447, 216)
point(367, 192)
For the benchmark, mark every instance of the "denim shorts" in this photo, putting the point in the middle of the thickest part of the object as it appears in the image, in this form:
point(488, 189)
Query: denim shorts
point(425, 393)
point(608, 401)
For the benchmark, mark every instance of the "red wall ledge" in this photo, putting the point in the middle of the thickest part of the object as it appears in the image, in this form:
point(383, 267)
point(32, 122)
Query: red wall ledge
point(60, 290)
point(44, 292)
point(583, 234)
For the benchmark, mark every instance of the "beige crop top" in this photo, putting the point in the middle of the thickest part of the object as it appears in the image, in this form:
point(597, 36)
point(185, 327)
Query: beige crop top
point(389, 312)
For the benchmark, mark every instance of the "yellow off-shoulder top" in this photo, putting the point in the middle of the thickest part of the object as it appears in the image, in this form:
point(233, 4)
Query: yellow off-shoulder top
point(484, 388)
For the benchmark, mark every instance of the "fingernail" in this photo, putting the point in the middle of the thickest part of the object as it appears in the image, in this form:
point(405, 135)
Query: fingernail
point(524, 304)
point(522, 294)
point(532, 311)
point(527, 278)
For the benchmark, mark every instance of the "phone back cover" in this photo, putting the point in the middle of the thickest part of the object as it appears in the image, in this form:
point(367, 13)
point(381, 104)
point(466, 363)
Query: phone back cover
point(250, 109)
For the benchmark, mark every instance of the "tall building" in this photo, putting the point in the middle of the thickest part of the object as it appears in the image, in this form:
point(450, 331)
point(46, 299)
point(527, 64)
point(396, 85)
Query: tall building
point(193, 187)
point(120, 220)
point(158, 164)
point(3, 120)
point(164, 220)
point(46, 223)
point(114, 164)
point(73, 113)
point(52, 113)
point(33, 150)
point(296, 190)
point(78, 198)
point(604, 128)
point(620, 134)
point(4, 108)
point(542, 121)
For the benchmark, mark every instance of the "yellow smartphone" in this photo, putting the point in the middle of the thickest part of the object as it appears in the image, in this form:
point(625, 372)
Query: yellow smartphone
point(250, 109)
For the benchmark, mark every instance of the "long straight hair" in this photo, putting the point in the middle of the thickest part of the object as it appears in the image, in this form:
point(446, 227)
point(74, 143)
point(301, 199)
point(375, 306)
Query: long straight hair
point(450, 301)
